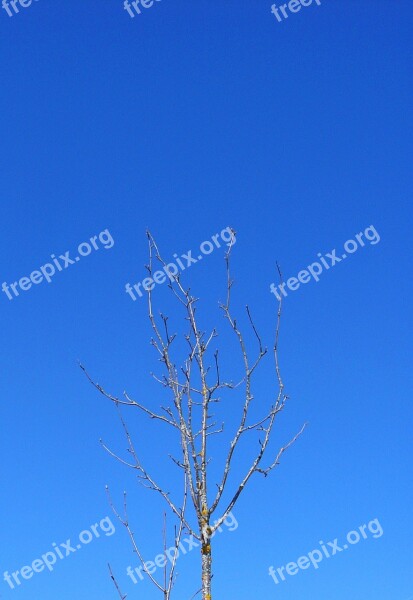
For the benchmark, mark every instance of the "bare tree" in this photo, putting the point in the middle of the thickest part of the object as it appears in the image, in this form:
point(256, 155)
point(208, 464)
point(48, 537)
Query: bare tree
point(194, 387)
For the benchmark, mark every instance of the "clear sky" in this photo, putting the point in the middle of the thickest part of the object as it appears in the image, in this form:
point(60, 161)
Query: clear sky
point(186, 119)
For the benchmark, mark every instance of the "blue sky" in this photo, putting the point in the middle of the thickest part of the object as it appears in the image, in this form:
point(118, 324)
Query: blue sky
point(187, 119)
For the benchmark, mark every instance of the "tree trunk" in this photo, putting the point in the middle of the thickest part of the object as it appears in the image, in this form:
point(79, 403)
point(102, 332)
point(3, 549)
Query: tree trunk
point(206, 571)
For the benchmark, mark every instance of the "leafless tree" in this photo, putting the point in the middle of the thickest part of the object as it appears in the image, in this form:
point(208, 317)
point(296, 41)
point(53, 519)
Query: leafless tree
point(194, 387)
